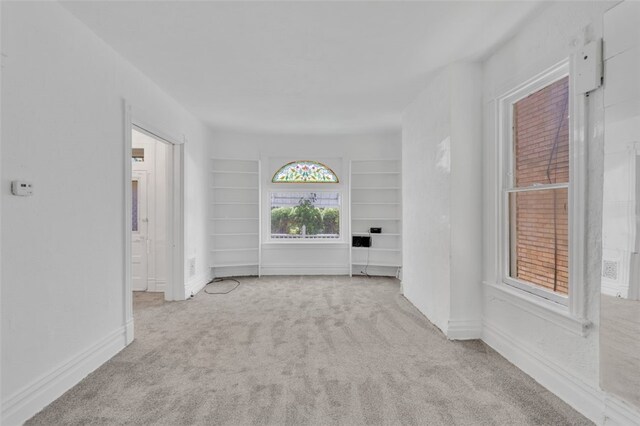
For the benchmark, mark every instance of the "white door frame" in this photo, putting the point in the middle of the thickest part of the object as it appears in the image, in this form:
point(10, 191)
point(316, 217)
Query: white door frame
point(175, 288)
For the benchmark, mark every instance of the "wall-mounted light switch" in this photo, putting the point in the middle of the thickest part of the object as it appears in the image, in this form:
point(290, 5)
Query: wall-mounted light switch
point(21, 188)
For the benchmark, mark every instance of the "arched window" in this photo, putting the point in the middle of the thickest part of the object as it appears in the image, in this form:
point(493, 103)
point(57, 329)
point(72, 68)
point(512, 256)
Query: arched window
point(304, 172)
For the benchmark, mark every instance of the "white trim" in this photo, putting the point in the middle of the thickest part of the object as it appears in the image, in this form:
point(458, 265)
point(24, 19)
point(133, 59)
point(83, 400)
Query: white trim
point(127, 279)
point(614, 289)
point(619, 413)
point(195, 284)
point(578, 139)
point(297, 188)
point(583, 397)
point(305, 269)
point(33, 397)
point(304, 242)
point(540, 307)
point(349, 221)
point(260, 218)
point(175, 289)
point(234, 271)
point(577, 186)
point(464, 330)
point(129, 332)
point(160, 286)
point(598, 406)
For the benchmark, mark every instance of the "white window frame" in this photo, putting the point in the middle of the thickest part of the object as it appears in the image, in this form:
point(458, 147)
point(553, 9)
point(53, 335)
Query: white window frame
point(573, 304)
point(297, 188)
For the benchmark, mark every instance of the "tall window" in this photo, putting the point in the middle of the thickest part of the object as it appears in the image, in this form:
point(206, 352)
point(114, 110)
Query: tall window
point(537, 192)
point(305, 215)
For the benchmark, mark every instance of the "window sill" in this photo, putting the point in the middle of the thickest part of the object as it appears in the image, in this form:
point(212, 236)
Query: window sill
point(280, 244)
point(540, 307)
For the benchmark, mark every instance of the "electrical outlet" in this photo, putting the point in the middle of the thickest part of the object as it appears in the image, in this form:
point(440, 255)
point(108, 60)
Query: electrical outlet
point(192, 266)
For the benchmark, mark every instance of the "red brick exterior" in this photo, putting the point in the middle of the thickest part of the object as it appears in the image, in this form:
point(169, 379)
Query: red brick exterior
point(540, 236)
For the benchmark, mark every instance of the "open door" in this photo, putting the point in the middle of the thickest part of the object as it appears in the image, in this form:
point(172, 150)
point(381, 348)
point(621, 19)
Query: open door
point(139, 232)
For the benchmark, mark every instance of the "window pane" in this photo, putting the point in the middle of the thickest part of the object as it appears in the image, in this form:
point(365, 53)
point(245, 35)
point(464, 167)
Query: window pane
point(541, 136)
point(305, 172)
point(296, 215)
point(137, 154)
point(134, 205)
point(539, 238)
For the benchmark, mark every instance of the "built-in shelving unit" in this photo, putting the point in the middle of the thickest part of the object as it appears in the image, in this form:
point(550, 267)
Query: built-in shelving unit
point(375, 194)
point(234, 212)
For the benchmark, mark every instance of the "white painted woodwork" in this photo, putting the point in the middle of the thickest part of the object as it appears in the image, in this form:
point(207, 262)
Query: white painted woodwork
point(140, 236)
point(376, 198)
point(234, 211)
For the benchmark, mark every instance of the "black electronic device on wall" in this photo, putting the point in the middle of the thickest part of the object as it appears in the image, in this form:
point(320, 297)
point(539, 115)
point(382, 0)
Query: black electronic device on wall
point(361, 241)
point(375, 230)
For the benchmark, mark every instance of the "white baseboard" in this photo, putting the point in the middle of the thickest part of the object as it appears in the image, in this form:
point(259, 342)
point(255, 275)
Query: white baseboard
point(195, 284)
point(619, 413)
point(614, 289)
point(304, 270)
point(583, 397)
point(587, 399)
point(464, 330)
point(28, 401)
point(129, 332)
point(381, 271)
point(235, 271)
point(160, 286)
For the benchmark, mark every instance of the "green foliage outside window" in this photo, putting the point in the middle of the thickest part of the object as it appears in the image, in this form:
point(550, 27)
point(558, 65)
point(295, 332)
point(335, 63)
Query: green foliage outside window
point(305, 216)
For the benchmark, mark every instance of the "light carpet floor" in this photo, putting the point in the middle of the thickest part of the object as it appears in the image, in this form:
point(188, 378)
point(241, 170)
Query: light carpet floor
point(302, 350)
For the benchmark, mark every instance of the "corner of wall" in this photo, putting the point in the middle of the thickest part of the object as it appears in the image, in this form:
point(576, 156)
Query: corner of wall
point(196, 284)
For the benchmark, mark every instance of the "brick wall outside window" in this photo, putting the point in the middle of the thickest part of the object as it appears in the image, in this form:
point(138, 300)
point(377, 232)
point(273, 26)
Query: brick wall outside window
point(539, 230)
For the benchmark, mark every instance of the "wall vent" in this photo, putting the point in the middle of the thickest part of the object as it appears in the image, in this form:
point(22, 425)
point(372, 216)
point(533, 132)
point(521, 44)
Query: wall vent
point(610, 269)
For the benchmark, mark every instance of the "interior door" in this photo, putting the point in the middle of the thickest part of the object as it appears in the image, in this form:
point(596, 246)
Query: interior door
point(139, 231)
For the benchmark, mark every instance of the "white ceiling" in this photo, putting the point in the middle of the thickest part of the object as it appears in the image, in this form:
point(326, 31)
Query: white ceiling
point(299, 66)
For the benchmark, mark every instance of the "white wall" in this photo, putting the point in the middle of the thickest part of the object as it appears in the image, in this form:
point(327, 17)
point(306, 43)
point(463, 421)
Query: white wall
point(337, 149)
point(63, 264)
point(426, 140)
point(441, 145)
point(621, 201)
point(564, 361)
point(621, 147)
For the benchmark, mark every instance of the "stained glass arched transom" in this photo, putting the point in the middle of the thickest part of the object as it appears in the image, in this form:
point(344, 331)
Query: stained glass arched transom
point(304, 172)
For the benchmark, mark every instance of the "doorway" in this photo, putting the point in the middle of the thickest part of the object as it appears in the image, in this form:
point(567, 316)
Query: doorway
point(149, 212)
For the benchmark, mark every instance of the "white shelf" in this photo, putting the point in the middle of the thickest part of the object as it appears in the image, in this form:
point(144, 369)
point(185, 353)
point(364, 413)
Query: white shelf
point(375, 173)
point(377, 191)
point(376, 218)
point(233, 249)
point(375, 249)
point(389, 265)
point(234, 218)
point(375, 188)
point(237, 234)
point(236, 265)
point(233, 172)
point(253, 188)
point(375, 204)
point(234, 194)
point(375, 160)
point(233, 204)
point(383, 234)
